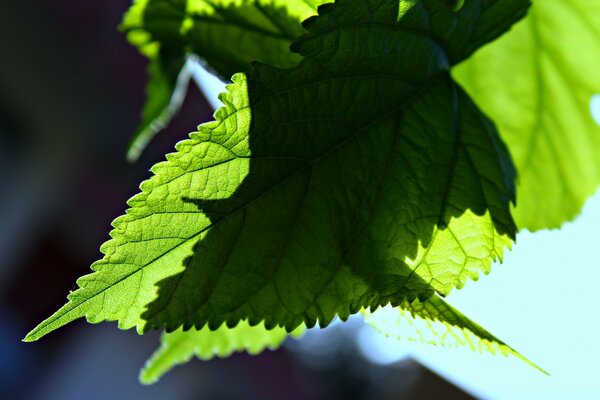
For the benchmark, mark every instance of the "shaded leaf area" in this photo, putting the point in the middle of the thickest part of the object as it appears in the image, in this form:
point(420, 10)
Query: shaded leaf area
point(227, 34)
point(351, 205)
point(438, 323)
point(181, 346)
point(352, 180)
point(537, 82)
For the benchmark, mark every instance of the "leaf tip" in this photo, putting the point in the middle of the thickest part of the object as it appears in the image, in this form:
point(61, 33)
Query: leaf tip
point(146, 378)
point(34, 335)
point(531, 363)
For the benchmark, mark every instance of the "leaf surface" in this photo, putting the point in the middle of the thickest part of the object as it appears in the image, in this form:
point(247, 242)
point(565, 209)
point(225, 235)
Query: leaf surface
point(437, 323)
point(180, 346)
point(320, 189)
point(537, 82)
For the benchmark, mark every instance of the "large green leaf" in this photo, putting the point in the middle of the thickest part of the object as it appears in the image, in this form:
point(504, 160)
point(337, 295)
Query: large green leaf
point(180, 346)
point(352, 180)
point(227, 34)
point(536, 83)
point(438, 323)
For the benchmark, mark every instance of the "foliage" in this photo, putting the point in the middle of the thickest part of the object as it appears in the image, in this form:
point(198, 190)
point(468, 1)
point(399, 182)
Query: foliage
point(180, 346)
point(346, 172)
point(438, 323)
point(542, 112)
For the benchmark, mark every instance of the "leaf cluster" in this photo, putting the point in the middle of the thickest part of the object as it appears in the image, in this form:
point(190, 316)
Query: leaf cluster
point(350, 166)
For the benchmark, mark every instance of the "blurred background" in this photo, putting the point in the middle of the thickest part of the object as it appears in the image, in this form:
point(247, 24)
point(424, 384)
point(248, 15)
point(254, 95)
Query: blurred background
point(71, 91)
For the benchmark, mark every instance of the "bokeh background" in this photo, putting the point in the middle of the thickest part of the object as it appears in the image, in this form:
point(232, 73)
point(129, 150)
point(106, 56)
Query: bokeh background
point(71, 91)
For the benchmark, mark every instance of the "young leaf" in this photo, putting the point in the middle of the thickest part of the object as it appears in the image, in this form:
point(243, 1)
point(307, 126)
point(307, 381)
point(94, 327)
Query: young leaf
point(537, 82)
point(180, 346)
point(354, 179)
point(438, 323)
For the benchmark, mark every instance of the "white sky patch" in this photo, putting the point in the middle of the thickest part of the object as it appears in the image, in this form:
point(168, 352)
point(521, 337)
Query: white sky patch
point(595, 108)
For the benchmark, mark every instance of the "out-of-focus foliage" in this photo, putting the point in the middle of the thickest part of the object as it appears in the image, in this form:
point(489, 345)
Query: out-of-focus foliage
point(227, 34)
point(438, 323)
point(536, 83)
point(180, 346)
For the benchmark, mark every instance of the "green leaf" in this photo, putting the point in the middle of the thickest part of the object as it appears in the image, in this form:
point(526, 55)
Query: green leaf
point(438, 323)
point(352, 180)
point(537, 82)
point(180, 346)
point(158, 231)
point(227, 34)
point(165, 92)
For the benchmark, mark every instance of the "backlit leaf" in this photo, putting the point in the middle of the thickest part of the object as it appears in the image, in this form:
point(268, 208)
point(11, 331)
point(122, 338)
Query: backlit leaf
point(180, 346)
point(538, 83)
point(435, 322)
point(320, 189)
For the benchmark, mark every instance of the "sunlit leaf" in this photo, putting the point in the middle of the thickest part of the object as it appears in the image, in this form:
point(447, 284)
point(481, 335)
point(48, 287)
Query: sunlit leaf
point(537, 83)
point(320, 189)
point(435, 322)
point(226, 34)
point(180, 346)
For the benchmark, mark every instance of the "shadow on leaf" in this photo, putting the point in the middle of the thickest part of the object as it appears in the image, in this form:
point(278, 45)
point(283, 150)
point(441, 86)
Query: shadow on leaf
point(371, 180)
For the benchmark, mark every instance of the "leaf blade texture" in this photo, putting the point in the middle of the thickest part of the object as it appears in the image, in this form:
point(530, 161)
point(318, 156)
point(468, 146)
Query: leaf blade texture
point(288, 212)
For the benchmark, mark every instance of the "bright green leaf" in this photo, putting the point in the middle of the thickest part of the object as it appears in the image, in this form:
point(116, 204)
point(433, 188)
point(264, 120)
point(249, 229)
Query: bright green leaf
point(289, 211)
point(227, 34)
point(438, 323)
point(536, 83)
point(180, 346)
